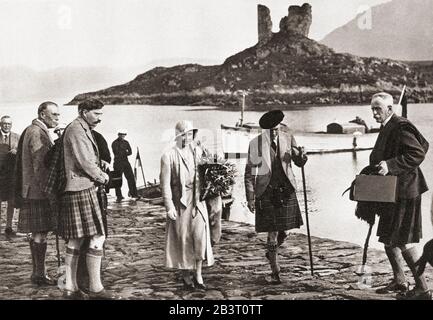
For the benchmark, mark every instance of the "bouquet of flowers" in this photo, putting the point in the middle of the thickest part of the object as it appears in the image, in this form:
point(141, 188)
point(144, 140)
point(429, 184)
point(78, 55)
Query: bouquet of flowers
point(217, 176)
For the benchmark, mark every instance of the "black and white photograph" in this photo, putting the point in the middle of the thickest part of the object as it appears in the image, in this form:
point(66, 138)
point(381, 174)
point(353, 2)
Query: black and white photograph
point(216, 155)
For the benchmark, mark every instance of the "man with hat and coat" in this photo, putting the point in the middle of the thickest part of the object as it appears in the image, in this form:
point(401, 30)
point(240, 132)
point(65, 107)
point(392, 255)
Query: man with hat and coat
point(270, 184)
point(121, 150)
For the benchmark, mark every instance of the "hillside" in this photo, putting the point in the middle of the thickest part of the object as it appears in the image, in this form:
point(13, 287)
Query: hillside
point(400, 29)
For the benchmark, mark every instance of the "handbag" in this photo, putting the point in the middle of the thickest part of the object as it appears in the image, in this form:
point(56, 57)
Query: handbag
point(373, 188)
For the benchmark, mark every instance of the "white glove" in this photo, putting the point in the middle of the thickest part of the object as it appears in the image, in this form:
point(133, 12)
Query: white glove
point(172, 214)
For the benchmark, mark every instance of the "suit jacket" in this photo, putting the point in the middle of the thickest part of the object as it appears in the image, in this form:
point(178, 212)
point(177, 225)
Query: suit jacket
point(12, 141)
point(399, 145)
point(35, 145)
point(82, 165)
point(7, 160)
point(258, 169)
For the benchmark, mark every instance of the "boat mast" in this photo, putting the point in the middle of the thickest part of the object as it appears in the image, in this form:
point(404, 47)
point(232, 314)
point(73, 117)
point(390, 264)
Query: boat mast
point(242, 109)
point(403, 103)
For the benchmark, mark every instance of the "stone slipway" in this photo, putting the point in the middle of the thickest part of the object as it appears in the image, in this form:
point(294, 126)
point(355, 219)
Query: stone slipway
point(135, 255)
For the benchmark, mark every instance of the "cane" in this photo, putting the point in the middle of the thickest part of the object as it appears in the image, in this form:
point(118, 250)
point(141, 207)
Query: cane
point(58, 250)
point(364, 255)
point(308, 222)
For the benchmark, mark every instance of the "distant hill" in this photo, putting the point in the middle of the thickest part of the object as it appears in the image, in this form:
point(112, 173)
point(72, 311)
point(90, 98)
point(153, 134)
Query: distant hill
point(22, 84)
point(401, 29)
point(284, 68)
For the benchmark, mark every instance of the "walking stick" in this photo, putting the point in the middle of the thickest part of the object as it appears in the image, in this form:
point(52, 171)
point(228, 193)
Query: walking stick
point(364, 255)
point(58, 250)
point(308, 222)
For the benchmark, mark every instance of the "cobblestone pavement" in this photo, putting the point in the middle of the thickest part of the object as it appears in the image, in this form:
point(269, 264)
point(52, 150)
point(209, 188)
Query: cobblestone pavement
point(134, 257)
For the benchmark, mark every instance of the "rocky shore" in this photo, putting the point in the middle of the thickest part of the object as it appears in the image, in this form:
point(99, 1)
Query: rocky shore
point(133, 265)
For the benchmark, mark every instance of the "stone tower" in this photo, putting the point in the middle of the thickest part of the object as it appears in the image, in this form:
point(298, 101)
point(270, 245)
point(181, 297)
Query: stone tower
point(264, 24)
point(299, 20)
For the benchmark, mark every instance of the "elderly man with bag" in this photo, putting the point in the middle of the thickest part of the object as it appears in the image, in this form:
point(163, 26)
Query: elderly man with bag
point(399, 150)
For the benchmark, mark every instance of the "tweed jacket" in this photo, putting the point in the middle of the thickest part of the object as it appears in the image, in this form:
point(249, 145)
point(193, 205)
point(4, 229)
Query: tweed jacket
point(82, 165)
point(258, 169)
point(398, 145)
point(36, 144)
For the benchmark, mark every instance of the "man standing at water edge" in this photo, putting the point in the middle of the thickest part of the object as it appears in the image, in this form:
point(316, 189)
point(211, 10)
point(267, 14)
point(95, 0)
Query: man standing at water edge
point(8, 150)
point(270, 185)
point(36, 215)
point(121, 151)
point(399, 151)
point(80, 212)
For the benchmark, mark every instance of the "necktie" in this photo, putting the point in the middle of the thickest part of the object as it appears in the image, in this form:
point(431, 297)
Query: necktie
point(274, 146)
point(5, 139)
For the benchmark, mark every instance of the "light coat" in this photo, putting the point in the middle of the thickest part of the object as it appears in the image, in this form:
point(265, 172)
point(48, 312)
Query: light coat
point(258, 170)
point(180, 251)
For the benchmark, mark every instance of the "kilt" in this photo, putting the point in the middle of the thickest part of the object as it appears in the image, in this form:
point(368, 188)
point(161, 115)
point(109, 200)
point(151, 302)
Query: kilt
point(36, 216)
point(6, 188)
point(270, 218)
point(80, 215)
point(401, 223)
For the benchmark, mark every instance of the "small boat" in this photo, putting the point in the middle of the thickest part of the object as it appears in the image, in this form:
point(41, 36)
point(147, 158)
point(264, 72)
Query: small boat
point(339, 137)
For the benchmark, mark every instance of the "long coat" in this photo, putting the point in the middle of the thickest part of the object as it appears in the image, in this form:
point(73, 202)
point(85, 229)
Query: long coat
point(36, 144)
point(183, 245)
point(403, 148)
point(398, 145)
point(7, 164)
point(258, 169)
point(81, 157)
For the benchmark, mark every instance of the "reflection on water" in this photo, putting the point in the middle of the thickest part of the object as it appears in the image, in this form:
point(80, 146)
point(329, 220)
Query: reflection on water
point(151, 128)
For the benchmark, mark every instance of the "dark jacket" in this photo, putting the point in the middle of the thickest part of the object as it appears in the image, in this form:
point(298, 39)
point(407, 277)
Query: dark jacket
point(104, 151)
point(403, 148)
point(121, 149)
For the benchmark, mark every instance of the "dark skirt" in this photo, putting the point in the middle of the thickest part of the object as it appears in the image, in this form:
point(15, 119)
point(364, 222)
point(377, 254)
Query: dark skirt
point(80, 215)
point(36, 216)
point(271, 218)
point(401, 223)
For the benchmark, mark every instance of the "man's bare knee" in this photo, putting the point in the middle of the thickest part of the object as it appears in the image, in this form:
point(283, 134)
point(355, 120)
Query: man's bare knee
point(97, 242)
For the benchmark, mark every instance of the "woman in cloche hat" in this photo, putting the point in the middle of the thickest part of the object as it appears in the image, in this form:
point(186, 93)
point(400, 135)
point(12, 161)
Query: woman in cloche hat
point(187, 233)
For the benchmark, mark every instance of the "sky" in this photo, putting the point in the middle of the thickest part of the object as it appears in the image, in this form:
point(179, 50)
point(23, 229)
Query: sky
point(42, 34)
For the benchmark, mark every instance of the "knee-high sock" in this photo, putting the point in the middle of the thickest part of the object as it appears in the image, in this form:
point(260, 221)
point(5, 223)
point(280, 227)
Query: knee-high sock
point(40, 250)
point(93, 260)
point(71, 263)
point(33, 253)
point(411, 256)
point(10, 214)
point(395, 258)
point(273, 257)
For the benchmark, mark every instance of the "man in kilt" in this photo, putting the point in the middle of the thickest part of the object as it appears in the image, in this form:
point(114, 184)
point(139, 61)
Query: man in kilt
point(270, 184)
point(80, 212)
point(399, 150)
point(36, 215)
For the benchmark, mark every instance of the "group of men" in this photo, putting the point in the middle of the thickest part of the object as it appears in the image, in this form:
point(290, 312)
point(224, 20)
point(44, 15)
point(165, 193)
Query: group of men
point(399, 150)
point(58, 185)
point(269, 183)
